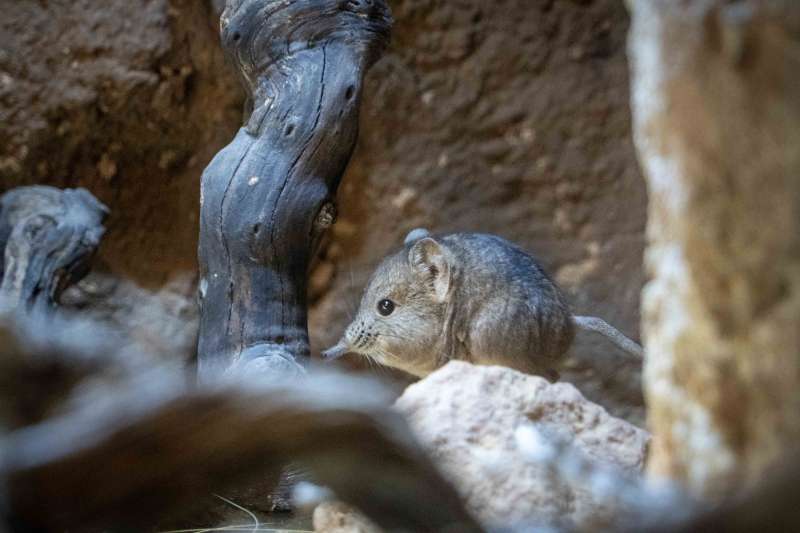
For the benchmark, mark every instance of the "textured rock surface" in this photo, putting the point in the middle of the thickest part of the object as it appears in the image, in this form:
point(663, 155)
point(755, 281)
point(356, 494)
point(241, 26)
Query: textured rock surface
point(717, 103)
point(337, 517)
point(469, 419)
point(510, 117)
point(128, 99)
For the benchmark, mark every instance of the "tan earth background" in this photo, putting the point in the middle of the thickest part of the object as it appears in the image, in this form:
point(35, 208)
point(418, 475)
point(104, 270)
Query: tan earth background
point(509, 117)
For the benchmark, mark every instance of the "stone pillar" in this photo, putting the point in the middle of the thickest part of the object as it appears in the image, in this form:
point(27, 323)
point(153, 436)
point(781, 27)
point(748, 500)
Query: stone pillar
point(716, 97)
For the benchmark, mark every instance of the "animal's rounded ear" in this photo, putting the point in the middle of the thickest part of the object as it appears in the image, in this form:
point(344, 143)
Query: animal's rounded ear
point(416, 234)
point(429, 260)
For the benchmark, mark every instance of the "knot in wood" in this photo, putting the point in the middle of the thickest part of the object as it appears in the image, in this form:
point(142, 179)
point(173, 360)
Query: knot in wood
point(326, 217)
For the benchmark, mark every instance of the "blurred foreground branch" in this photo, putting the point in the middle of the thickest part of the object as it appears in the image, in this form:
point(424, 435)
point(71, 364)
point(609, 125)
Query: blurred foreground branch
point(149, 448)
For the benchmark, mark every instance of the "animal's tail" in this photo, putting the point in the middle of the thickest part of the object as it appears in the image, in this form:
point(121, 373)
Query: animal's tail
point(598, 325)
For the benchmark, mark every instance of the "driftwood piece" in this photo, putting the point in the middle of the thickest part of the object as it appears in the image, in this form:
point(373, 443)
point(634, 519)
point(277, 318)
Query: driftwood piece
point(267, 197)
point(149, 449)
point(40, 370)
point(47, 236)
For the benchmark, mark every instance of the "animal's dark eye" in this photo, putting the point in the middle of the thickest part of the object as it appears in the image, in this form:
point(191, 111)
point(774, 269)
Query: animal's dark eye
point(386, 307)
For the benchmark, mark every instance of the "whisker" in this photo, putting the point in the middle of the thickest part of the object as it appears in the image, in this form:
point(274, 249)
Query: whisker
point(256, 524)
point(382, 369)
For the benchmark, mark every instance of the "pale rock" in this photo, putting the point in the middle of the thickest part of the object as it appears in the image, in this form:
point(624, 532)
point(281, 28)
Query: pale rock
point(338, 517)
point(522, 450)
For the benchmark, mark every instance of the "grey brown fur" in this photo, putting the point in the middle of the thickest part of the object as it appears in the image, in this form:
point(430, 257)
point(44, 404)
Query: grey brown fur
point(465, 296)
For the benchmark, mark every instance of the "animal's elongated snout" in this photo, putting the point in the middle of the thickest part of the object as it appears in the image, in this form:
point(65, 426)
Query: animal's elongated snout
point(336, 352)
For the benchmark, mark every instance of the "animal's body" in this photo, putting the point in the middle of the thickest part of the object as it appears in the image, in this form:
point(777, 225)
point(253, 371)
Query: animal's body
point(465, 296)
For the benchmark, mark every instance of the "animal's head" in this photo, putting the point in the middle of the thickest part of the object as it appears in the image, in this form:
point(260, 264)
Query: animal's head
point(401, 315)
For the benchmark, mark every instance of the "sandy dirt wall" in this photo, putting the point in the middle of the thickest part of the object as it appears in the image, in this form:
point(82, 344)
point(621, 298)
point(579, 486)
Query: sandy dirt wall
point(508, 117)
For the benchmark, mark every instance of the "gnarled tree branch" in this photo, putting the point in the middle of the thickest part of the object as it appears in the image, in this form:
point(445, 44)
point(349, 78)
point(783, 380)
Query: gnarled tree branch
point(47, 237)
point(267, 198)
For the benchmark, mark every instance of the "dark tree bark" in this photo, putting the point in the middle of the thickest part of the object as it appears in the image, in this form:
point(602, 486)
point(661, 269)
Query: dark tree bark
point(267, 198)
point(47, 237)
